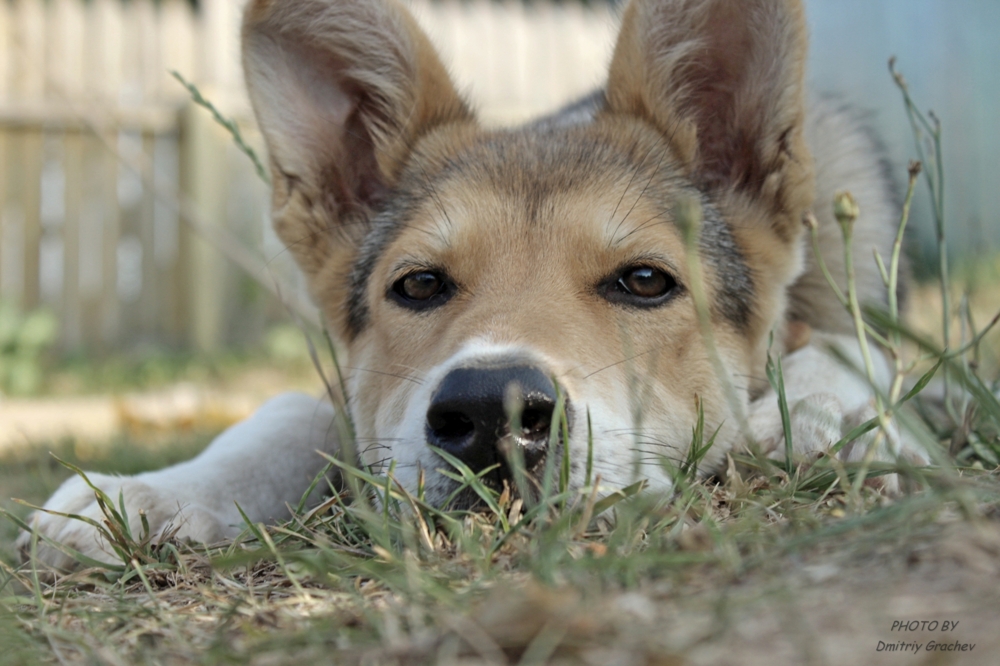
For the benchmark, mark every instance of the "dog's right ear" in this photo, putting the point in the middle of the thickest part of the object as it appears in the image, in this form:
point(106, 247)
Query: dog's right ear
point(342, 90)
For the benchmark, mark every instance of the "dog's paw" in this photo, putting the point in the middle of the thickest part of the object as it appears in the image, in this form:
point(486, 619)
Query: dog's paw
point(164, 514)
point(895, 446)
point(818, 422)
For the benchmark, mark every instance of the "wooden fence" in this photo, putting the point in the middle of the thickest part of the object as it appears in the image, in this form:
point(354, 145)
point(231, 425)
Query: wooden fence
point(127, 211)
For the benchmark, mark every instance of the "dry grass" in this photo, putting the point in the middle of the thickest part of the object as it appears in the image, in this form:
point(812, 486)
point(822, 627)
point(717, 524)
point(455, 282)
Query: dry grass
point(764, 564)
point(763, 561)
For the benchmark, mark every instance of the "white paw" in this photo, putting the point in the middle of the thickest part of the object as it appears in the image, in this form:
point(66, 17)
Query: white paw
point(816, 425)
point(895, 446)
point(163, 513)
point(818, 422)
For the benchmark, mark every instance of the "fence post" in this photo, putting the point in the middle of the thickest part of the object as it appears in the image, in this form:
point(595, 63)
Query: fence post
point(25, 147)
point(203, 187)
point(66, 74)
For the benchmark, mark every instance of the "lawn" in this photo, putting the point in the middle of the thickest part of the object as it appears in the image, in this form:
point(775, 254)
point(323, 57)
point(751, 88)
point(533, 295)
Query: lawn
point(757, 568)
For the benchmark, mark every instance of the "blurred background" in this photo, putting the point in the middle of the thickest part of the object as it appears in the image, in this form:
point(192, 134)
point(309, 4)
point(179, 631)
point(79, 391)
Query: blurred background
point(135, 249)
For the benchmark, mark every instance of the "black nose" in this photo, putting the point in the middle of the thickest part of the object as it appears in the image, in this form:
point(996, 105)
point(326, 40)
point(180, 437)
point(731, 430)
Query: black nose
point(467, 417)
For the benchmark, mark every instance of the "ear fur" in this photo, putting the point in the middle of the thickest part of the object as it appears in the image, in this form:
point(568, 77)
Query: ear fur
point(723, 80)
point(342, 90)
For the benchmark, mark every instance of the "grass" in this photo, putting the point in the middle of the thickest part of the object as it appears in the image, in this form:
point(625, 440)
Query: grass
point(33, 473)
point(407, 583)
point(150, 369)
point(797, 562)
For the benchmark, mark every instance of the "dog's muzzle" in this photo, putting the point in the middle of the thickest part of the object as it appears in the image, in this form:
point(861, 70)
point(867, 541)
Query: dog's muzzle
point(469, 419)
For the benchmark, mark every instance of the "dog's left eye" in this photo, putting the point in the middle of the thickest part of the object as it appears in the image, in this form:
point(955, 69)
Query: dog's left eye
point(421, 290)
point(646, 282)
point(643, 286)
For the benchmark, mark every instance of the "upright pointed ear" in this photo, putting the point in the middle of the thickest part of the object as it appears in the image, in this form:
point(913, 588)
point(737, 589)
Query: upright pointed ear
point(723, 80)
point(342, 90)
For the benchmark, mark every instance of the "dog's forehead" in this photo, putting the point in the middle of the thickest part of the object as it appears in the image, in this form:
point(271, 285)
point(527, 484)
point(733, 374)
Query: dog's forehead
point(537, 179)
point(539, 160)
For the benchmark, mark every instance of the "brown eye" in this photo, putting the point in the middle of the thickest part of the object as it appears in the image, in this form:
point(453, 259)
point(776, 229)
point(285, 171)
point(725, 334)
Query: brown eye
point(646, 282)
point(421, 286)
point(640, 286)
point(421, 290)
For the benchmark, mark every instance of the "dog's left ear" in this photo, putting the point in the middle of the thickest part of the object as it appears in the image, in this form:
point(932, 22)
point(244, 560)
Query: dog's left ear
point(723, 80)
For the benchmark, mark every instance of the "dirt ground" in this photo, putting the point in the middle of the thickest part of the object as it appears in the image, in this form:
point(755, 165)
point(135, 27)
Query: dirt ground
point(843, 604)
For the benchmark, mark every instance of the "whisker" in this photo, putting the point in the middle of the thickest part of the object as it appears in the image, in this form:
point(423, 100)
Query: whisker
point(374, 447)
point(416, 381)
point(627, 187)
point(416, 372)
point(619, 431)
point(638, 198)
point(642, 226)
point(624, 360)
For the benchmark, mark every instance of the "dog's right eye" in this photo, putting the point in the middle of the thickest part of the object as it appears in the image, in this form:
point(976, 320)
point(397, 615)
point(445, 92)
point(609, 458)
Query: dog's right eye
point(420, 290)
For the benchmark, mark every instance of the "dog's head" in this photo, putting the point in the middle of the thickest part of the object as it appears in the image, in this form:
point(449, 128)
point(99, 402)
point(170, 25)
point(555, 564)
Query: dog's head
point(461, 266)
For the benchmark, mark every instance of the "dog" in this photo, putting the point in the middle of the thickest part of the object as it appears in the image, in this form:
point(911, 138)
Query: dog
point(624, 266)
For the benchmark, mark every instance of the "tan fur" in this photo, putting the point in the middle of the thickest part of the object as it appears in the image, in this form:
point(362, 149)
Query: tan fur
point(329, 82)
point(713, 88)
point(723, 80)
point(526, 279)
point(381, 171)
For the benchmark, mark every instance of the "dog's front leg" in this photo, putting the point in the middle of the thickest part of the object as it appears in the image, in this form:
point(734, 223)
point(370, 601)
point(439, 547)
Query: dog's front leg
point(826, 399)
point(263, 464)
